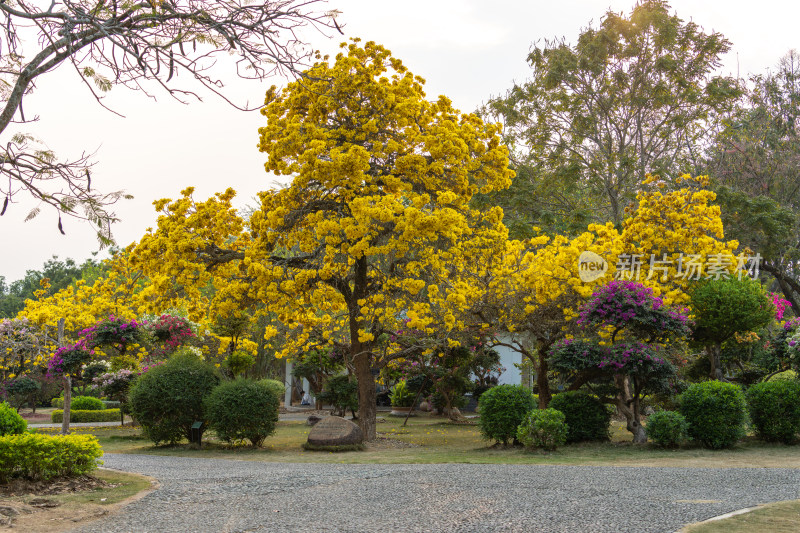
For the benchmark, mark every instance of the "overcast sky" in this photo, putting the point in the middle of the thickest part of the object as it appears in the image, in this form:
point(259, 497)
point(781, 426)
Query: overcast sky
point(467, 50)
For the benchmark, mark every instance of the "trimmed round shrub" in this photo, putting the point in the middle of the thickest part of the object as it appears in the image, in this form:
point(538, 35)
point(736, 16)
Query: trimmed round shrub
point(277, 388)
point(775, 410)
point(167, 399)
point(667, 428)
point(587, 418)
point(11, 423)
point(543, 428)
point(716, 412)
point(342, 393)
point(503, 408)
point(87, 403)
point(243, 409)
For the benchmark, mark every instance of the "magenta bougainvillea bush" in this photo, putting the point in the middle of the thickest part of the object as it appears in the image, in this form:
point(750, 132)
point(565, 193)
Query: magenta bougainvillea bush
point(626, 332)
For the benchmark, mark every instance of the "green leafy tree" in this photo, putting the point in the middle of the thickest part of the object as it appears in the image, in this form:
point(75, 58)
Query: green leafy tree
point(754, 160)
point(631, 97)
point(725, 307)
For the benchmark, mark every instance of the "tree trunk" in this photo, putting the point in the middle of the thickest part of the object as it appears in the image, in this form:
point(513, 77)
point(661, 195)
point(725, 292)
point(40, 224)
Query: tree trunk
point(67, 404)
point(628, 408)
point(542, 383)
point(67, 385)
point(714, 356)
point(367, 402)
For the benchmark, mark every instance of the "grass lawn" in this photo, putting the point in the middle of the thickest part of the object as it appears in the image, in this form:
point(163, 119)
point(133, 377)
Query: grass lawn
point(781, 517)
point(434, 440)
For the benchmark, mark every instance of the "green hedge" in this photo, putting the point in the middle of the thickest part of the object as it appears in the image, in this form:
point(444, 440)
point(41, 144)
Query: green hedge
point(78, 416)
point(42, 457)
point(587, 418)
point(81, 403)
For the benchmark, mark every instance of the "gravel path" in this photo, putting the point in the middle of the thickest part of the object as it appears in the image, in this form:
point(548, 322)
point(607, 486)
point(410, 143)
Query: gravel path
point(225, 496)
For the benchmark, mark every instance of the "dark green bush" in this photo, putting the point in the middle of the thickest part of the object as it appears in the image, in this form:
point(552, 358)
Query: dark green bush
point(587, 418)
point(93, 415)
point(775, 410)
point(167, 399)
point(277, 388)
point(11, 423)
point(342, 393)
point(543, 428)
point(503, 409)
point(716, 413)
point(243, 409)
point(667, 428)
point(87, 403)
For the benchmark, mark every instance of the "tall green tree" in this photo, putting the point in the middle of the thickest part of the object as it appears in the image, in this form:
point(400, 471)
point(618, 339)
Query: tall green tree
point(630, 97)
point(755, 161)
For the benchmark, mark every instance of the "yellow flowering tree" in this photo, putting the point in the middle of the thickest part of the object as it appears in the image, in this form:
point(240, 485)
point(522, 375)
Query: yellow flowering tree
point(374, 229)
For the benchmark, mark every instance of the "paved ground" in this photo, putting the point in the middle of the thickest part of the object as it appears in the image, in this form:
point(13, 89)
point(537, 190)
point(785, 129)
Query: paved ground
point(199, 495)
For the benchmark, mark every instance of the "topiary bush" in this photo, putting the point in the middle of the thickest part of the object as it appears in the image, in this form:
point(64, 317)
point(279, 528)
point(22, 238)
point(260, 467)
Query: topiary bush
point(277, 388)
point(43, 457)
point(11, 423)
point(543, 428)
point(86, 403)
point(716, 412)
point(503, 408)
point(587, 418)
point(667, 428)
point(243, 409)
point(775, 410)
point(342, 393)
point(167, 399)
point(93, 415)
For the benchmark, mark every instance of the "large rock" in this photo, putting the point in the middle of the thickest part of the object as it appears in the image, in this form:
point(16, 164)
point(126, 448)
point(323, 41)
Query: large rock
point(335, 431)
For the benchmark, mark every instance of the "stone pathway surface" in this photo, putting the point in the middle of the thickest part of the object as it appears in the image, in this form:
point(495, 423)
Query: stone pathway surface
point(214, 495)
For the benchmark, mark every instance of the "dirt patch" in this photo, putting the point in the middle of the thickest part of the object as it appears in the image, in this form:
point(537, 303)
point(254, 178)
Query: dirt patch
point(388, 443)
point(19, 487)
point(38, 418)
point(61, 504)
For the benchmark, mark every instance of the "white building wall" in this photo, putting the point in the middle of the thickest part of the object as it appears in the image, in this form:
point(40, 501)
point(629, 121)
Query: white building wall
point(508, 357)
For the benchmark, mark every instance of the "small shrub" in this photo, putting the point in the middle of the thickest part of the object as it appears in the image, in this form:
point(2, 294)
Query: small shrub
point(342, 393)
point(716, 413)
point(543, 428)
point(587, 418)
point(667, 428)
point(276, 387)
point(401, 395)
point(86, 403)
point(43, 457)
point(243, 409)
point(11, 423)
point(239, 362)
point(503, 409)
point(78, 416)
point(775, 410)
point(167, 399)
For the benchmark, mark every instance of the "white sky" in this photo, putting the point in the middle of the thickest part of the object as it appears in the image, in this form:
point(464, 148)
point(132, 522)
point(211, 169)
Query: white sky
point(468, 50)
